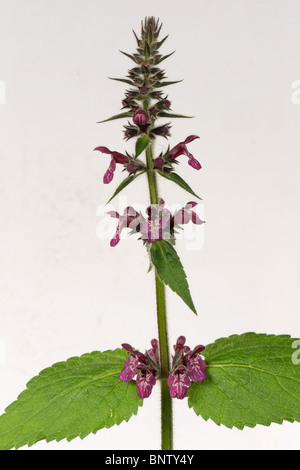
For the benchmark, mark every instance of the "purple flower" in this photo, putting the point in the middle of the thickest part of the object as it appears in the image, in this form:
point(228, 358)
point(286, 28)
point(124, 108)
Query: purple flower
point(153, 352)
point(129, 369)
point(148, 365)
point(166, 104)
point(196, 367)
point(158, 163)
point(184, 215)
point(143, 90)
point(140, 118)
point(131, 164)
point(130, 131)
point(181, 149)
point(187, 367)
point(157, 224)
point(116, 157)
point(179, 382)
point(145, 382)
point(164, 130)
point(125, 221)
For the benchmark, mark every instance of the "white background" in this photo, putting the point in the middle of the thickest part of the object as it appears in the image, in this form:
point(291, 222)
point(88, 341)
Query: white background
point(64, 292)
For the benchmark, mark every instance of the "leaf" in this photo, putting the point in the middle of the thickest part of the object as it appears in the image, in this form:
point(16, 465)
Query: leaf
point(252, 380)
point(170, 270)
point(70, 399)
point(125, 183)
point(116, 116)
point(130, 56)
point(164, 57)
point(178, 180)
point(160, 43)
point(123, 80)
point(171, 115)
point(137, 39)
point(147, 51)
point(160, 84)
point(141, 144)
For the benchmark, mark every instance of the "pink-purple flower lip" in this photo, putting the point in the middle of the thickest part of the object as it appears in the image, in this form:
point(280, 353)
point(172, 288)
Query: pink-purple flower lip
point(186, 214)
point(146, 367)
point(129, 163)
point(181, 149)
point(159, 224)
point(124, 221)
point(187, 367)
point(145, 382)
point(178, 383)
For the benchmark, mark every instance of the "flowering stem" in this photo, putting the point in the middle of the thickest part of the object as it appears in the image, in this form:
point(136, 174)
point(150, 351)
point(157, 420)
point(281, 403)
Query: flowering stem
point(166, 401)
point(151, 177)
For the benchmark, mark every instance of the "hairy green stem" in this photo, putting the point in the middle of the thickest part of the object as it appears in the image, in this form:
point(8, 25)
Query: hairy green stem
point(166, 401)
point(151, 176)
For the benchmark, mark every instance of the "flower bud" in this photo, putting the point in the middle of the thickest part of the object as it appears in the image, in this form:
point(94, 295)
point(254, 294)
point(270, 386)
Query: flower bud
point(140, 117)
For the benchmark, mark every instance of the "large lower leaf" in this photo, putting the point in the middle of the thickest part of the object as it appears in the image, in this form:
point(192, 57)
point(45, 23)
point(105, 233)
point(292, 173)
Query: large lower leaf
point(70, 399)
point(170, 270)
point(252, 379)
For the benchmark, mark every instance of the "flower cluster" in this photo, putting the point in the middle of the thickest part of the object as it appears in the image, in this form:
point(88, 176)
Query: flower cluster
point(144, 103)
point(129, 163)
point(145, 78)
point(159, 223)
point(163, 162)
point(187, 367)
point(148, 367)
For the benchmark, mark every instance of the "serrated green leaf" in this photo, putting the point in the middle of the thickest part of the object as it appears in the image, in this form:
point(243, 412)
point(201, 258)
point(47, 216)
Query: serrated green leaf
point(252, 379)
point(170, 270)
point(178, 180)
point(141, 144)
point(125, 183)
point(70, 399)
point(116, 116)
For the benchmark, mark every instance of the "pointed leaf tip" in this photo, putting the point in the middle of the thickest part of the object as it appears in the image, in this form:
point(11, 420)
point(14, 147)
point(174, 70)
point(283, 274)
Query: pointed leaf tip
point(117, 116)
point(170, 271)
